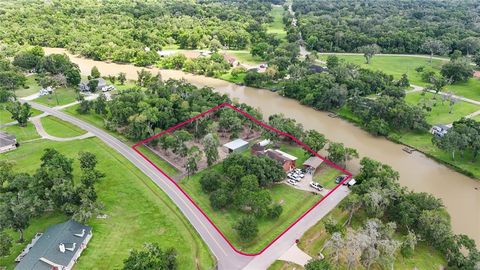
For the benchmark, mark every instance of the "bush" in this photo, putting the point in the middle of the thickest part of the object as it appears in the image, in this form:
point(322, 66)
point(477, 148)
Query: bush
point(246, 228)
point(378, 127)
point(275, 211)
point(210, 181)
point(5, 244)
point(219, 199)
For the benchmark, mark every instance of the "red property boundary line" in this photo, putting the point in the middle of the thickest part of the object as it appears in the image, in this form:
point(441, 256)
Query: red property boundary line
point(349, 175)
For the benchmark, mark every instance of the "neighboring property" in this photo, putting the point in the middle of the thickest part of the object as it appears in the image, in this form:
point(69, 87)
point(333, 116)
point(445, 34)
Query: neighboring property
point(260, 146)
point(58, 248)
point(237, 145)
point(317, 68)
point(8, 142)
point(287, 160)
point(312, 164)
point(46, 91)
point(439, 130)
point(84, 85)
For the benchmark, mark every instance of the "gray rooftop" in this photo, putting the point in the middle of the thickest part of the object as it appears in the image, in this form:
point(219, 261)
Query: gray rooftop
point(235, 144)
point(7, 139)
point(313, 162)
point(47, 246)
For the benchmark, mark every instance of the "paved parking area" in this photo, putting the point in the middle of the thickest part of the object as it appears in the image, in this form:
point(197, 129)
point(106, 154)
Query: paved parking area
point(304, 184)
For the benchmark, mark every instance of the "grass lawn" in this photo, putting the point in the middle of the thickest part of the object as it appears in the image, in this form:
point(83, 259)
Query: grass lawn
point(394, 65)
point(440, 113)
point(297, 151)
point(423, 142)
point(477, 118)
point(326, 176)
point(283, 265)
point(230, 78)
point(61, 96)
point(138, 211)
point(314, 239)
point(6, 117)
point(295, 203)
point(244, 56)
point(469, 89)
point(59, 128)
point(162, 164)
point(32, 87)
point(276, 27)
point(22, 133)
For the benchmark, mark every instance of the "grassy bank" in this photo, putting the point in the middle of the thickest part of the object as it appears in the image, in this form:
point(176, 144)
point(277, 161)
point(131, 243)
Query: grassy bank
point(295, 202)
point(60, 128)
point(315, 238)
point(22, 133)
point(138, 211)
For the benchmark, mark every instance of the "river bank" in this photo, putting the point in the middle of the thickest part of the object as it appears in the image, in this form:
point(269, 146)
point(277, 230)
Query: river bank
point(417, 171)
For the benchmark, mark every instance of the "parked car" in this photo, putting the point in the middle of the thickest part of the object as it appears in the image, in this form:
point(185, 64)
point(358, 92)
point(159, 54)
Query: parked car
point(108, 88)
point(316, 186)
point(340, 178)
point(291, 182)
point(350, 182)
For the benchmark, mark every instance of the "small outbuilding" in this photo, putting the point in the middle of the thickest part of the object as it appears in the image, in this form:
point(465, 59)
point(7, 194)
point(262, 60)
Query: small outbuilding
point(59, 247)
point(312, 164)
point(237, 145)
point(8, 142)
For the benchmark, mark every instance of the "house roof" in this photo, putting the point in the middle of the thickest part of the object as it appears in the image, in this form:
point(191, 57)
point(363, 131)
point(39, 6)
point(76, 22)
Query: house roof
point(279, 155)
point(313, 162)
point(47, 247)
point(286, 155)
point(235, 144)
point(7, 139)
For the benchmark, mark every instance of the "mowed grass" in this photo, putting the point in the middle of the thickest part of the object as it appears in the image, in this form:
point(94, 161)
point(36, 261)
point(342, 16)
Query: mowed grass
point(295, 202)
point(440, 112)
point(423, 142)
point(276, 27)
point(315, 238)
point(394, 65)
point(469, 89)
point(31, 88)
point(6, 116)
point(59, 128)
point(228, 77)
point(22, 133)
point(283, 265)
point(244, 56)
point(326, 175)
point(296, 151)
point(61, 96)
point(162, 164)
point(138, 211)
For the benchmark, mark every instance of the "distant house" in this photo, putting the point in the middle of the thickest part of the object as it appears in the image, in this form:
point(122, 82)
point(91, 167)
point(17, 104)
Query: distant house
point(166, 53)
point(231, 60)
point(260, 146)
point(46, 91)
point(286, 160)
point(8, 142)
point(312, 164)
point(317, 69)
point(84, 85)
point(58, 247)
point(439, 130)
point(237, 145)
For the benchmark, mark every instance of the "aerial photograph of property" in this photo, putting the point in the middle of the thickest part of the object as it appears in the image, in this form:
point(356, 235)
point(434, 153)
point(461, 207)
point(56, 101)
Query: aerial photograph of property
point(239, 134)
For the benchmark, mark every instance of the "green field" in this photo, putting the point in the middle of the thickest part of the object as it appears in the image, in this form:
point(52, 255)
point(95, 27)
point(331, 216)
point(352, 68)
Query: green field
point(477, 118)
point(228, 77)
point(6, 117)
point(295, 202)
point(244, 56)
point(276, 27)
point(423, 142)
point(59, 128)
point(283, 265)
point(440, 112)
point(398, 65)
point(314, 239)
point(326, 176)
point(32, 87)
point(61, 96)
point(138, 211)
point(22, 133)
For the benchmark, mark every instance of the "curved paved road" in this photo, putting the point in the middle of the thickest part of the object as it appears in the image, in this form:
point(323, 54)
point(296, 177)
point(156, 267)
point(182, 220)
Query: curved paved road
point(226, 256)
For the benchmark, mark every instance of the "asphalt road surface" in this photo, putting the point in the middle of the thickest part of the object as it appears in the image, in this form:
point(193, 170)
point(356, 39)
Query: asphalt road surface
point(226, 256)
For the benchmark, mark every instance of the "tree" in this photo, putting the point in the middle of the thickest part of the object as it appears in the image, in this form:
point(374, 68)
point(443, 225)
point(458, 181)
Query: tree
point(236, 71)
point(16, 211)
point(469, 45)
point(151, 257)
point(215, 45)
point(458, 70)
point(332, 61)
point(211, 181)
point(112, 79)
point(84, 107)
point(316, 264)
point(73, 76)
point(20, 112)
point(27, 60)
point(369, 51)
point(403, 82)
point(88, 161)
point(144, 78)
point(434, 46)
point(351, 204)
point(338, 153)
point(409, 243)
point(336, 244)
point(11, 80)
point(95, 73)
point(100, 104)
point(5, 244)
point(92, 85)
point(275, 211)
point(315, 140)
point(192, 160)
point(246, 228)
point(331, 225)
point(210, 148)
point(476, 60)
point(219, 199)
point(122, 77)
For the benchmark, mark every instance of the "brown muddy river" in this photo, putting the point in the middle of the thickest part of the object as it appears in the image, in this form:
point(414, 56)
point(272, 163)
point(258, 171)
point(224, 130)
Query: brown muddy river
point(417, 171)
